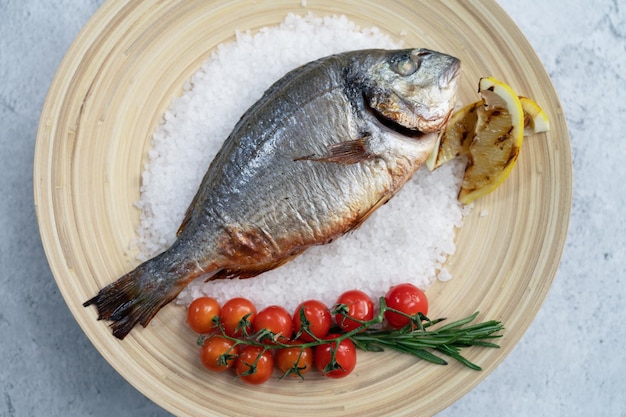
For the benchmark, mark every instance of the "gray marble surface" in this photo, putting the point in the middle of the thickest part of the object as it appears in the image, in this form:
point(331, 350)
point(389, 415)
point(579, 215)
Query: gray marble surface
point(570, 362)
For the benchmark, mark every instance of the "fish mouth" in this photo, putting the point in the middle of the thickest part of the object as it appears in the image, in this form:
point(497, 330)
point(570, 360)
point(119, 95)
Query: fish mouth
point(451, 74)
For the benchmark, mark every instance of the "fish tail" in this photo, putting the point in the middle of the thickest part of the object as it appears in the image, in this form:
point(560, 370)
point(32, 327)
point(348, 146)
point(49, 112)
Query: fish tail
point(137, 296)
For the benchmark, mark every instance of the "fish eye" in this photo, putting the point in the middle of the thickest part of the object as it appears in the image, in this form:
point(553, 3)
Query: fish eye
point(405, 66)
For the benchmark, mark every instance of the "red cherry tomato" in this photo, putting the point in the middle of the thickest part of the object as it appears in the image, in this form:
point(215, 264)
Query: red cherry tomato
point(213, 348)
point(276, 320)
point(200, 314)
point(318, 317)
point(253, 371)
point(237, 314)
point(360, 307)
point(345, 357)
point(294, 358)
point(408, 299)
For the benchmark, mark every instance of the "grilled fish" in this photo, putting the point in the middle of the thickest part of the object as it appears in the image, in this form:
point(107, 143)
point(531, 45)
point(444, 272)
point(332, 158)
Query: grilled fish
point(325, 146)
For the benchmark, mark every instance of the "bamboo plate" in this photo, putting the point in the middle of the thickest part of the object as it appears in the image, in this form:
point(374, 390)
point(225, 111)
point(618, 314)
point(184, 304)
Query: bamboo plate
point(114, 84)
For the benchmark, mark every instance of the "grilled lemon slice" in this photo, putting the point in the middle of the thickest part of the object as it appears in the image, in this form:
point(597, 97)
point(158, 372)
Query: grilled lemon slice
point(455, 140)
point(497, 140)
point(489, 132)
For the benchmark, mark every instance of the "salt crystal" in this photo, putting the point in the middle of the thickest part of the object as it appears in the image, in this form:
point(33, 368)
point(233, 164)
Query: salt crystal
point(444, 275)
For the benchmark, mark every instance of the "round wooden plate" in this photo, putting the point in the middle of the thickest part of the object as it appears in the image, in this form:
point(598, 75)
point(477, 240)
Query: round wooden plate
point(109, 93)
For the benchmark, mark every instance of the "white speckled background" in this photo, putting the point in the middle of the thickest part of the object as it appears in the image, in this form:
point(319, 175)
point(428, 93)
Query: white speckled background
point(570, 362)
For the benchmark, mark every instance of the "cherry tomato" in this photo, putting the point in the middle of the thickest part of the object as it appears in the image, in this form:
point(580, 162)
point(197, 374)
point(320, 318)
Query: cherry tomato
point(345, 356)
point(408, 299)
point(276, 320)
point(318, 316)
point(252, 373)
point(360, 307)
point(213, 348)
point(295, 360)
point(233, 313)
point(200, 314)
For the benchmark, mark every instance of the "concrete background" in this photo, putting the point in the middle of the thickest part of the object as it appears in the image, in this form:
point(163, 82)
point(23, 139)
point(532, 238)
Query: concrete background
point(570, 362)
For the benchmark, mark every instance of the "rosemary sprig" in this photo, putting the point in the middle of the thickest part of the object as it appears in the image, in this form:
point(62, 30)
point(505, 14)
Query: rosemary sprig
point(447, 340)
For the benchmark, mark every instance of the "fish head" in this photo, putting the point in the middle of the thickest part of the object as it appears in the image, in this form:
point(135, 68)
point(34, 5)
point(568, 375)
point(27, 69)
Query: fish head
point(414, 88)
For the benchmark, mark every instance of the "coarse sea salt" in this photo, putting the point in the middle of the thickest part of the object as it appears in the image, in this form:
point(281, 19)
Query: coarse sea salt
point(407, 240)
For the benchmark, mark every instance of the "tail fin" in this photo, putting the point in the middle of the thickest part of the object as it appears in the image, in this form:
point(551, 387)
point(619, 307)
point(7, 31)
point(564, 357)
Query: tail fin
point(137, 296)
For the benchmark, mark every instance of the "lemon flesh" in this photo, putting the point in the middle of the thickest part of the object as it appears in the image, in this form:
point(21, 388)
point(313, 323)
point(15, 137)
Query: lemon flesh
point(497, 140)
point(455, 140)
point(535, 119)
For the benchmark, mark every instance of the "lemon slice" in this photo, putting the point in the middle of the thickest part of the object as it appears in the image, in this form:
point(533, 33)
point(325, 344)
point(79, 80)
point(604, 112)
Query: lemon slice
point(535, 119)
point(455, 140)
point(490, 133)
point(497, 140)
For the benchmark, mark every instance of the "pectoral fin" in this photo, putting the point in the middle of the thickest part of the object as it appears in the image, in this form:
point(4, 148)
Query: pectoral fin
point(348, 152)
